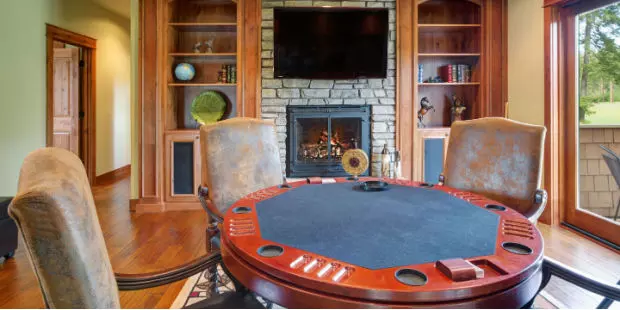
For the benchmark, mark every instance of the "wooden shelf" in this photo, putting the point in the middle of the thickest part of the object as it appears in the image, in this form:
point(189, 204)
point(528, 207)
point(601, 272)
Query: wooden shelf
point(213, 55)
point(434, 129)
point(450, 84)
point(204, 26)
point(203, 84)
point(444, 27)
point(449, 54)
point(182, 131)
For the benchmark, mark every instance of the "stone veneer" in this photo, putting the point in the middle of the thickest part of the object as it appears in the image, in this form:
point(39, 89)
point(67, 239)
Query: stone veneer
point(598, 190)
point(380, 93)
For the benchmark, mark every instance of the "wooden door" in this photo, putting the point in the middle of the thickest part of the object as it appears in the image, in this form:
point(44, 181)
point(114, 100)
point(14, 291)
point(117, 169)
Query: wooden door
point(66, 99)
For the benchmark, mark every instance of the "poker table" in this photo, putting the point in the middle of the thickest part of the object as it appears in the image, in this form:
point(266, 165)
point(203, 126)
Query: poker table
point(333, 245)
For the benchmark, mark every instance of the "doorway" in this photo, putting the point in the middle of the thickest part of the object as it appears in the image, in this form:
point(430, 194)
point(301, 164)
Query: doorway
point(70, 60)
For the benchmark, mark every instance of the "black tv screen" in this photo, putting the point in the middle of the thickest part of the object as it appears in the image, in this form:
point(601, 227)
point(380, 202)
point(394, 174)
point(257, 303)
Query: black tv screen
point(330, 43)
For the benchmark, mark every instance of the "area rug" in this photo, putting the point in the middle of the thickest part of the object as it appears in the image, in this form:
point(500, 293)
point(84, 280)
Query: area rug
point(198, 288)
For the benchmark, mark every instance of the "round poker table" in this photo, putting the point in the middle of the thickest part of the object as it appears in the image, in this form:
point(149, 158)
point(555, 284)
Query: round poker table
point(412, 245)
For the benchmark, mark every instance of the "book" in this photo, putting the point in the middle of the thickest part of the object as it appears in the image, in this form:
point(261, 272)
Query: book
point(224, 74)
point(454, 74)
point(446, 73)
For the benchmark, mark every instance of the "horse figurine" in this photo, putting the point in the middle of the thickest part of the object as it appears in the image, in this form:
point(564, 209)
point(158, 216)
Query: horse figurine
point(425, 107)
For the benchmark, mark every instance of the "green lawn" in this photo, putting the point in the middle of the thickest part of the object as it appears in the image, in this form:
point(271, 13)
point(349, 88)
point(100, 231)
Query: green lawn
point(605, 114)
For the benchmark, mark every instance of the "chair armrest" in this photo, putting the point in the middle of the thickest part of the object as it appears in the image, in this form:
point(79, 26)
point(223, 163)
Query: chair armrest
point(540, 202)
point(131, 282)
point(552, 267)
point(207, 204)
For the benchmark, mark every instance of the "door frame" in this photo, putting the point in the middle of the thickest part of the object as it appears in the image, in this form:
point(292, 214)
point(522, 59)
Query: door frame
point(561, 160)
point(88, 96)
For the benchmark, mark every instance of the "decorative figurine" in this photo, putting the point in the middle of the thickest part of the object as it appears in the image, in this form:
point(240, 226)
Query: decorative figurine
point(436, 79)
point(355, 162)
point(209, 45)
point(458, 109)
point(197, 47)
point(386, 160)
point(425, 107)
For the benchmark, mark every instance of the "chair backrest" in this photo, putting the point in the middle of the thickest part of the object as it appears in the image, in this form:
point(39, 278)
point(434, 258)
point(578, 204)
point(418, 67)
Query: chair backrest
point(55, 213)
point(614, 167)
point(240, 156)
point(499, 158)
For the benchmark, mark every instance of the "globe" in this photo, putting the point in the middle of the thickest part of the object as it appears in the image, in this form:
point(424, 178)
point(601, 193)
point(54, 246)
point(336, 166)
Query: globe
point(184, 72)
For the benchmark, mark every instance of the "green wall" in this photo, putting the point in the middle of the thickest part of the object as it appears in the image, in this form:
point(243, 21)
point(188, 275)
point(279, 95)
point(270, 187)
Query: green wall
point(22, 80)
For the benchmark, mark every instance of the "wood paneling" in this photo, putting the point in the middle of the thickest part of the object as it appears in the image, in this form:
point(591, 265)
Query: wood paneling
point(553, 159)
point(148, 106)
point(405, 74)
point(496, 29)
point(249, 58)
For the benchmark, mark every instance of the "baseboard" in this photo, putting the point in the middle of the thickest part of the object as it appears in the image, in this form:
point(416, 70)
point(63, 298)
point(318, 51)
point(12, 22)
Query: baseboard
point(114, 175)
point(183, 206)
point(146, 205)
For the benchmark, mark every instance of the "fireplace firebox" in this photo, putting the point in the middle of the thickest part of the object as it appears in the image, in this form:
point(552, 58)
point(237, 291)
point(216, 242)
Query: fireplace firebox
point(317, 136)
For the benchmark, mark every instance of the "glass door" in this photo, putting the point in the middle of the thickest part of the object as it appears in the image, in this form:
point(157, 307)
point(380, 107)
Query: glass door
point(596, 123)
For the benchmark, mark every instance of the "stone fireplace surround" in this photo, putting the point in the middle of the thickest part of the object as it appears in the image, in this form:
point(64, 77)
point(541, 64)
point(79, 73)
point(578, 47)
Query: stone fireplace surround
point(277, 94)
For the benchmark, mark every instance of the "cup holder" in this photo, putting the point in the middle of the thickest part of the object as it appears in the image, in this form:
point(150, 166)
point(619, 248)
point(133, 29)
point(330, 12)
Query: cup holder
point(517, 248)
point(270, 250)
point(241, 210)
point(411, 277)
point(495, 207)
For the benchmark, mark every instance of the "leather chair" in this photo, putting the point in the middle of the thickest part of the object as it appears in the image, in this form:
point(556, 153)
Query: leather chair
point(56, 216)
point(240, 156)
point(498, 158)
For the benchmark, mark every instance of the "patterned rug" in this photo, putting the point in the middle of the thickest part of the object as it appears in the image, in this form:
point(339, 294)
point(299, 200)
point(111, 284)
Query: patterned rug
point(199, 287)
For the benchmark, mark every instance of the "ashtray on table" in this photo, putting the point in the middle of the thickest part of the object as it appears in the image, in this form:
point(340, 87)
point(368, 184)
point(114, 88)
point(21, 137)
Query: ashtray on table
point(373, 186)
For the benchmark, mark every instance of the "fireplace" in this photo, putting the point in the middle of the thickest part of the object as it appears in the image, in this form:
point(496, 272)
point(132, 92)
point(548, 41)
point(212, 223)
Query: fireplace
point(317, 136)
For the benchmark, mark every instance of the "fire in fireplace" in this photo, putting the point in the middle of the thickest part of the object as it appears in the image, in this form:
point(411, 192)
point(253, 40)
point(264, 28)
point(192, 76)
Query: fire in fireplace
point(317, 136)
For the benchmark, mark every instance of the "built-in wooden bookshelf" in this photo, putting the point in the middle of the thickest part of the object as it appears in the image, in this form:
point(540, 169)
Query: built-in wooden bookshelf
point(454, 32)
point(448, 33)
point(192, 22)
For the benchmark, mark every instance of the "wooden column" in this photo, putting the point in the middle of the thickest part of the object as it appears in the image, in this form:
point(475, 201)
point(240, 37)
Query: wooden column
point(150, 198)
point(405, 73)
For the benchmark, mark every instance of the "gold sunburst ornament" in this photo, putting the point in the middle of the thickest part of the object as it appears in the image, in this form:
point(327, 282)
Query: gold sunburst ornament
point(355, 162)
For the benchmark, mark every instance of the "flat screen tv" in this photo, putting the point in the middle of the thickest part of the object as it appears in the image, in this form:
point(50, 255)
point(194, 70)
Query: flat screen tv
point(330, 43)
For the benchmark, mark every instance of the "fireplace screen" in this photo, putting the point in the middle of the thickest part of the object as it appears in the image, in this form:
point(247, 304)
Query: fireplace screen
point(318, 136)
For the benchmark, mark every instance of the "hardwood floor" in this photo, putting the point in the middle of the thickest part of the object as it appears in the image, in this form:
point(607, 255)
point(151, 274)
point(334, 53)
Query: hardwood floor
point(154, 241)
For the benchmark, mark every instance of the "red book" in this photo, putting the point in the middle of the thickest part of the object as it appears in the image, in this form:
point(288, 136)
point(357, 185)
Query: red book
point(446, 73)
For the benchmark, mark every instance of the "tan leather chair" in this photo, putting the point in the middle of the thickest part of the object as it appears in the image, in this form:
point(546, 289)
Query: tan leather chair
point(56, 216)
point(498, 158)
point(240, 156)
